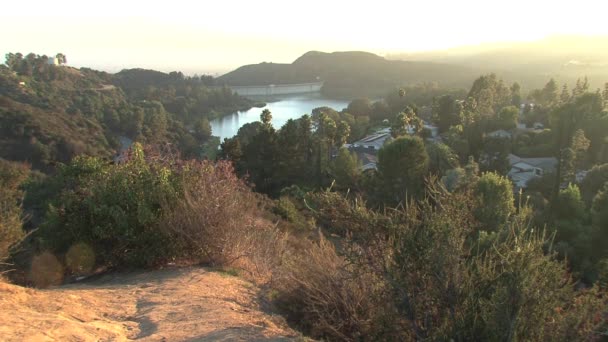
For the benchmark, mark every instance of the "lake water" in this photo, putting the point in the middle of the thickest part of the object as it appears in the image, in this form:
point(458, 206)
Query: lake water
point(283, 109)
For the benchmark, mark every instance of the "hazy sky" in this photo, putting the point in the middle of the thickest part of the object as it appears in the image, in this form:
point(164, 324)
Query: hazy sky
point(217, 36)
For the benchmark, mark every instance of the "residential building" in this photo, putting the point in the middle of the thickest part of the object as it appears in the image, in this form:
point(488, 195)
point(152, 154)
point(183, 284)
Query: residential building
point(525, 169)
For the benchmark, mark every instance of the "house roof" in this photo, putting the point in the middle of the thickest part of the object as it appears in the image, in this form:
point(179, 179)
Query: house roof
point(375, 141)
point(369, 166)
point(521, 166)
point(547, 164)
point(521, 179)
point(501, 133)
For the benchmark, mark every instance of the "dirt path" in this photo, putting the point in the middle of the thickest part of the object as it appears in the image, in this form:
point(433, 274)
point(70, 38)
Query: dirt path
point(186, 304)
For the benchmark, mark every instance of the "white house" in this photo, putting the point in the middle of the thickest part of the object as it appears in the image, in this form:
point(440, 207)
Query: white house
point(53, 61)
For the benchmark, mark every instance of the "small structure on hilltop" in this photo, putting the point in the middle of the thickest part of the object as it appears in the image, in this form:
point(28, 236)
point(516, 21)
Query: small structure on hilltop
point(59, 59)
point(525, 169)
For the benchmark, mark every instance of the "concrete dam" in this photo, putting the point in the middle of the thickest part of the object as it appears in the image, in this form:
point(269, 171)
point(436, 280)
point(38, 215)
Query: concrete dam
point(278, 89)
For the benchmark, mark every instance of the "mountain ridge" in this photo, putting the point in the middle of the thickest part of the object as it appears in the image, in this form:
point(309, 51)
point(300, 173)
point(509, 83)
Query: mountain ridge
point(350, 73)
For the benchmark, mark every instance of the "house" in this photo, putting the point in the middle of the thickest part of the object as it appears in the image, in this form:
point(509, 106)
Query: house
point(373, 142)
point(525, 169)
point(368, 147)
point(433, 129)
point(580, 175)
point(501, 133)
point(53, 61)
point(369, 161)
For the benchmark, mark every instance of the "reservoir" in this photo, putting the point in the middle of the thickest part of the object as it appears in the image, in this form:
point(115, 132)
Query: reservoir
point(282, 108)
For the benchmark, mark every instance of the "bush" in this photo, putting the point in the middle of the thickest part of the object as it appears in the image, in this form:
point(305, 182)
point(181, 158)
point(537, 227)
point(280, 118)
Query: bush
point(494, 194)
point(286, 209)
point(12, 176)
point(217, 221)
point(328, 298)
point(422, 272)
point(114, 209)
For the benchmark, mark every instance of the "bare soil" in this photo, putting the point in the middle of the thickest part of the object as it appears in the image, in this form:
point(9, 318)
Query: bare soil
point(177, 304)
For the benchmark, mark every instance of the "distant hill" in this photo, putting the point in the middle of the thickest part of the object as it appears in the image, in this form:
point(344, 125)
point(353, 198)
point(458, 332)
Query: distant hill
point(532, 64)
point(351, 74)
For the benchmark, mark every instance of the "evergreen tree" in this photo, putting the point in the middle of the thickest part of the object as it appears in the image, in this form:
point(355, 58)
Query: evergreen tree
point(402, 165)
point(346, 168)
point(495, 202)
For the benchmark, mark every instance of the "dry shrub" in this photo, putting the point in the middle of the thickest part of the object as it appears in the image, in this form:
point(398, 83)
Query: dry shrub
point(218, 221)
point(330, 298)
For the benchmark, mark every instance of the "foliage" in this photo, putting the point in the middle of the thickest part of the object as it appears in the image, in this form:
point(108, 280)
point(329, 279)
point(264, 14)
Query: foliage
point(599, 212)
point(431, 279)
point(495, 155)
point(204, 227)
point(115, 209)
point(12, 175)
point(593, 182)
point(406, 122)
point(508, 117)
point(51, 113)
point(402, 165)
point(495, 203)
point(346, 169)
point(327, 297)
point(446, 112)
point(490, 94)
point(569, 205)
point(441, 158)
point(360, 107)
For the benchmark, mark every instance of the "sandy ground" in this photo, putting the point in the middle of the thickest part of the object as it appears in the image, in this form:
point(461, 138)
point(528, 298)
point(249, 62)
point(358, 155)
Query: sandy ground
point(180, 304)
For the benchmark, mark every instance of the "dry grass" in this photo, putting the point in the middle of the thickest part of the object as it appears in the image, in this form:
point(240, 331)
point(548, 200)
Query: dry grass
point(322, 293)
point(219, 222)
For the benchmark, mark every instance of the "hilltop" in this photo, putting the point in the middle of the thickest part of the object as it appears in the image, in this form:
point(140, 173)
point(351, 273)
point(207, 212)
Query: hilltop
point(351, 73)
point(177, 304)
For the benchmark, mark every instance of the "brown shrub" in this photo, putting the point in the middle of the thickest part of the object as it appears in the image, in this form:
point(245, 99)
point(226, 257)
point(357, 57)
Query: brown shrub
point(218, 221)
point(329, 298)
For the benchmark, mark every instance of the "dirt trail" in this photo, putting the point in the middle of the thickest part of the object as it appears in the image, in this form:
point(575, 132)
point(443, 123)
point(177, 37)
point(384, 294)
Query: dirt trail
point(181, 304)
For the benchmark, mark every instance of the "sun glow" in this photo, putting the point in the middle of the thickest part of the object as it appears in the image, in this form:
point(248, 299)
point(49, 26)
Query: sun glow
point(218, 36)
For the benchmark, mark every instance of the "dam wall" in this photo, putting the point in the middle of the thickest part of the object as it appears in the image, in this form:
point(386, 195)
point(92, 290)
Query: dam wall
point(278, 89)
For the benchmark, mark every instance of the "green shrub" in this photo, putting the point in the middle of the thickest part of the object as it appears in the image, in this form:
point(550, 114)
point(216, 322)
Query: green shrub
point(495, 202)
point(115, 209)
point(430, 276)
point(12, 176)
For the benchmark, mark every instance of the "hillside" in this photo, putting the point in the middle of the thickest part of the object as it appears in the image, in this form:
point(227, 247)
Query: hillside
point(190, 304)
point(350, 73)
point(565, 58)
point(51, 113)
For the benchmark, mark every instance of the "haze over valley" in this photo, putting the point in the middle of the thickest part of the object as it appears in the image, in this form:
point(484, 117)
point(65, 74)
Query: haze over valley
point(311, 171)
